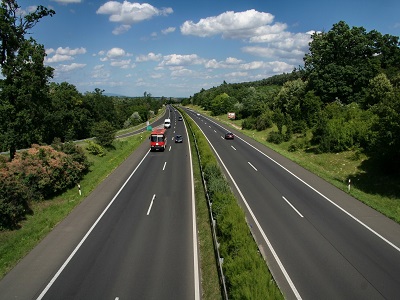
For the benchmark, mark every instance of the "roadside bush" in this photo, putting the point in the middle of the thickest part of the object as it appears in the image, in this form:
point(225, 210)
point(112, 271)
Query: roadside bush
point(275, 137)
point(95, 149)
point(35, 174)
point(45, 170)
point(14, 199)
point(264, 121)
point(77, 154)
point(249, 123)
point(298, 144)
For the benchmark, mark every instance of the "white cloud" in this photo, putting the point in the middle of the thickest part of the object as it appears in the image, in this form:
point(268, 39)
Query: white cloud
point(68, 51)
point(69, 68)
point(181, 73)
point(121, 29)
point(181, 60)
point(67, 1)
point(229, 24)
point(149, 57)
point(58, 58)
point(276, 52)
point(253, 27)
point(116, 56)
point(129, 13)
point(236, 74)
point(230, 62)
point(168, 30)
point(123, 64)
point(63, 54)
point(115, 53)
point(100, 72)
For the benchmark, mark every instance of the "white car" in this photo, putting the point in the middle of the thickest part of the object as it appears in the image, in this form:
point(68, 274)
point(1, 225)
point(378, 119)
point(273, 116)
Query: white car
point(167, 123)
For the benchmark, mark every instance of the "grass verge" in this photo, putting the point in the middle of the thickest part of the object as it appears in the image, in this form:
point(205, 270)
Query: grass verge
point(211, 289)
point(14, 245)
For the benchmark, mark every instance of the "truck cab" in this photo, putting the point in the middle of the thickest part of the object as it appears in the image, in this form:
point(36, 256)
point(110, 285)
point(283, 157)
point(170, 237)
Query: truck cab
point(158, 140)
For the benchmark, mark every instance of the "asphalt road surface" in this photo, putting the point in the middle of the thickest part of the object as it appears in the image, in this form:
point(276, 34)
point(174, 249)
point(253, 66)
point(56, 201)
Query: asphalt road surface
point(320, 242)
point(134, 237)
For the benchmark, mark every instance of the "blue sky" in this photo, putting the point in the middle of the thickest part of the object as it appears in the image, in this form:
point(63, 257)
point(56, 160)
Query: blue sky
point(176, 48)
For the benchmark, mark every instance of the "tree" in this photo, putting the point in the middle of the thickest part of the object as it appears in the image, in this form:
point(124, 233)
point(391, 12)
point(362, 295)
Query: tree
point(221, 104)
point(385, 147)
point(23, 91)
point(342, 61)
point(67, 119)
point(104, 133)
point(379, 90)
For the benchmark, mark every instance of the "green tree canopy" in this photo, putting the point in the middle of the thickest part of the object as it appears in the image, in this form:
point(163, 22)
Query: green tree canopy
point(343, 60)
point(23, 91)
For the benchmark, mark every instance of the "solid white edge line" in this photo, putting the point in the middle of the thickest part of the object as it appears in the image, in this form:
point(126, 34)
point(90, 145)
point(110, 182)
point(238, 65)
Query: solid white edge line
point(322, 195)
point(151, 204)
point(252, 166)
point(194, 228)
point(278, 261)
point(87, 234)
point(294, 208)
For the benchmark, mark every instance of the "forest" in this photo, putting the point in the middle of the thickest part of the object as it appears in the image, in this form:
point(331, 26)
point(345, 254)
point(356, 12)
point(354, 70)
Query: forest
point(345, 97)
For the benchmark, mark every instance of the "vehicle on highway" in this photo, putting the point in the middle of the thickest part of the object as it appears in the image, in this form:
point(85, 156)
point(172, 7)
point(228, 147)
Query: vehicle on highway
point(158, 140)
point(167, 123)
point(229, 136)
point(180, 119)
point(178, 138)
point(198, 114)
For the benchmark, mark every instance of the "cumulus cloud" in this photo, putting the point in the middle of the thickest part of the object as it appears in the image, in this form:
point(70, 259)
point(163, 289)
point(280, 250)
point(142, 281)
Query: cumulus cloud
point(100, 72)
point(117, 58)
point(69, 68)
point(230, 62)
point(128, 13)
point(181, 73)
point(181, 60)
point(63, 54)
point(149, 57)
point(115, 53)
point(253, 27)
point(67, 1)
point(124, 64)
point(168, 30)
point(275, 52)
point(230, 24)
point(121, 29)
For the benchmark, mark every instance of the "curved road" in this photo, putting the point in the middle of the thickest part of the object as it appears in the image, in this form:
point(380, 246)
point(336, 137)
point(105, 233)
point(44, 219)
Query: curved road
point(320, 242)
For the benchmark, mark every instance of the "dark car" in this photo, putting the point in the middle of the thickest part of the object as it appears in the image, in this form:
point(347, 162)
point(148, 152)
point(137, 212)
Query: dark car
point(229, 136)
point(178, 138)
point(180, 119)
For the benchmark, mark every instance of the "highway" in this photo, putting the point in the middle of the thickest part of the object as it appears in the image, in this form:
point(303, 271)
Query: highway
point(134, 237)
point(320, 243)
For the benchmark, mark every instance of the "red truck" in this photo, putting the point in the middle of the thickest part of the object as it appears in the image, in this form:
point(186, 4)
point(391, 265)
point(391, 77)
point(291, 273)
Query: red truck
point(158, 139)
